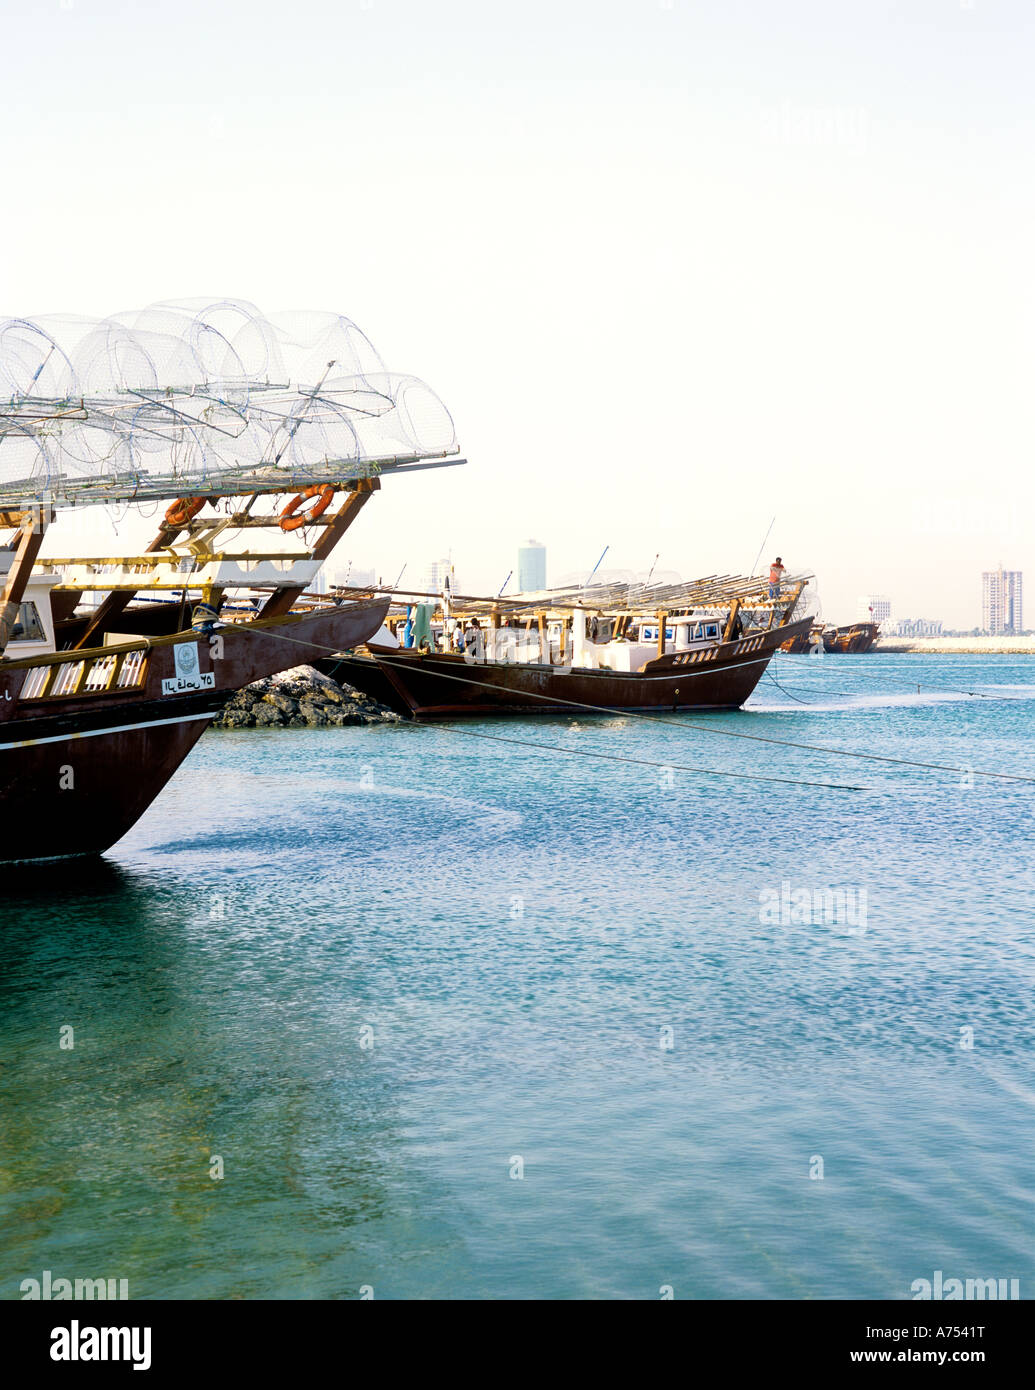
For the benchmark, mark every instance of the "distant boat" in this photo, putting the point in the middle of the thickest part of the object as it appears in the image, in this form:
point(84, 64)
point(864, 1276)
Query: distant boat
point(856, 637)
point(700, 646)
point(805, 641)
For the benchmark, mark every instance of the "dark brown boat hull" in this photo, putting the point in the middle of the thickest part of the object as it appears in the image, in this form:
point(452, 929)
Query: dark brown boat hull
point(438, 685)
point(804, 642)
point(76, 774)
point(80, 795)
point(858, 637)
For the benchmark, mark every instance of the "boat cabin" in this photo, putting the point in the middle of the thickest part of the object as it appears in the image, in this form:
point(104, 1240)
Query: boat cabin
point(638, 643)
point(33, 632)
point(682, 633)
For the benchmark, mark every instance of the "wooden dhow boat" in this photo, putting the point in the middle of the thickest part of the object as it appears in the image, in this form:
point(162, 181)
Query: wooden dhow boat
point(111, 668)
point(697, 646)
point(810, 641)
point(855, 637)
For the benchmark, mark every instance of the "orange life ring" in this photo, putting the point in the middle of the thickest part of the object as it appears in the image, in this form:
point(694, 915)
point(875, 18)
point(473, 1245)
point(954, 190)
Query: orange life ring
point(290, 522)
point(184, 509)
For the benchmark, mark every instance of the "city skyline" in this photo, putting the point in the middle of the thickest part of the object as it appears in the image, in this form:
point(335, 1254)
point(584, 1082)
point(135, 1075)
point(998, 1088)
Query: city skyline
point(93, 528)
point(895, 616)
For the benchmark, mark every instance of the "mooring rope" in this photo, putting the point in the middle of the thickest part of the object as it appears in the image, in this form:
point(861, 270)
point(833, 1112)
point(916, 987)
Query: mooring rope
point(703, 728)
point(582, 752)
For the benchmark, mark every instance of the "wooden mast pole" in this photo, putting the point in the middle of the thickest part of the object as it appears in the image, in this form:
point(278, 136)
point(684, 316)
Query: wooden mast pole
point(32, 529)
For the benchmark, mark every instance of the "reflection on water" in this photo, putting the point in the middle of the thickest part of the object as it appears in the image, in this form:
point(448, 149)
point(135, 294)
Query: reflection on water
point(370, 980)
point(182, 1050)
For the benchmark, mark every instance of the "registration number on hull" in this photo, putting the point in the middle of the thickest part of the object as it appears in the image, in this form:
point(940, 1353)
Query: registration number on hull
point(189, 675)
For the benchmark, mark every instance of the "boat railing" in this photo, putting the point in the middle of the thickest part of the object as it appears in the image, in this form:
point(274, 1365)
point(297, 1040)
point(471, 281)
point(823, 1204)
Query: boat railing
point(124, 670)
point(147, 644)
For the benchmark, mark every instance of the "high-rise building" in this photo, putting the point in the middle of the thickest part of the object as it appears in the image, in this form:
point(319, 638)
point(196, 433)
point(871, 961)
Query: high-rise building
point(1002, 601)
point(873, 608)
point(531, 567)
point(437, 574)
point(350, 575)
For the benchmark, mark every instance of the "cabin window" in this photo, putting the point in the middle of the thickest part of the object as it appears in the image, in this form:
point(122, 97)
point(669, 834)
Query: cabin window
point(27, 625)
point(712, 630)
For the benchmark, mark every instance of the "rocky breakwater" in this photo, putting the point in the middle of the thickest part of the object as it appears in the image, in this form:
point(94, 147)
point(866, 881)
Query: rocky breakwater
point(300, 699)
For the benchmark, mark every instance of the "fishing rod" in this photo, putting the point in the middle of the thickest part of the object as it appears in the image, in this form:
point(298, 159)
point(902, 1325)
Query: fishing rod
point(762, 546)
point(596, 566)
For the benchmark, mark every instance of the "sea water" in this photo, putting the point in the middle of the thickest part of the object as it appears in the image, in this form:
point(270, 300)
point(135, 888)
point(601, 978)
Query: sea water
point(406, 1012)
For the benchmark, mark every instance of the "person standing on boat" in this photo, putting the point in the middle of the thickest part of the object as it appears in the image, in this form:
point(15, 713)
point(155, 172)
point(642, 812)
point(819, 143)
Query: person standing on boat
point(776, 570)
point(474, 649)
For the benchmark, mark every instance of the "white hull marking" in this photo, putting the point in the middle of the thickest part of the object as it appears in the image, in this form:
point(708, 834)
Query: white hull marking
point(98, 733)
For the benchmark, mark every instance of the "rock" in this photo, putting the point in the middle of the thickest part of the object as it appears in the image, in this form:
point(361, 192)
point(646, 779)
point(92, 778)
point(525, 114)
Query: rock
point(298, 699)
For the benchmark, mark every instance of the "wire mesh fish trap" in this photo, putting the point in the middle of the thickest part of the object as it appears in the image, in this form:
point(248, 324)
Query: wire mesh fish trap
point(202, 396)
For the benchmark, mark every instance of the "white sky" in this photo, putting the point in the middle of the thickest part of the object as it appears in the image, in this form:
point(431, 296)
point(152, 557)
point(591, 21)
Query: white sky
point(675, 267)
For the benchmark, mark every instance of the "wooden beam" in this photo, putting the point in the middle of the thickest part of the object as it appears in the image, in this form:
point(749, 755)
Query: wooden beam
point(115, 603)
point(734, 610)
point(791, 606)
point(149, 562)
point(33, 528)
point(358, 495)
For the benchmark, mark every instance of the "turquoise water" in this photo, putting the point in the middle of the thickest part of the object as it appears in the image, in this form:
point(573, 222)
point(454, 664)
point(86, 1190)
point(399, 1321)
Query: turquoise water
point(563, 961)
